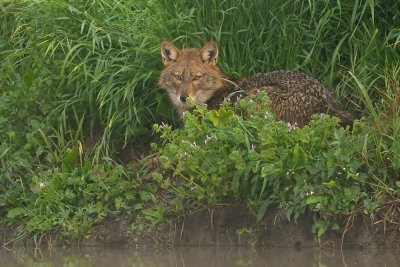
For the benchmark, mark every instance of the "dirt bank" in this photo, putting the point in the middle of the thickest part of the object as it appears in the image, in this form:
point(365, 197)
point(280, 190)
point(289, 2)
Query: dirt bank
point(235, 225)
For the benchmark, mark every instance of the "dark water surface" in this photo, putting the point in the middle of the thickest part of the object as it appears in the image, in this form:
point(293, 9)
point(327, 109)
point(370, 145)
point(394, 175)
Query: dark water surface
point(198, 256)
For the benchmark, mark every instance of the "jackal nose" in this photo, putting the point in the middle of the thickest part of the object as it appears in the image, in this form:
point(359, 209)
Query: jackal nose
point(183, 97)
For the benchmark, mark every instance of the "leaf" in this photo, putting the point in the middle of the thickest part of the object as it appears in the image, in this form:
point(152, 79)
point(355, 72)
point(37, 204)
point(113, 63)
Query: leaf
point(4, 152)
point(236, 183)
point(264, 185)
point(262, 209)
point(154, 215)
point(369, 206)
point(335, 227)
point(366, 98)
point(140, 130)
point(16, 212)
point(146, 196)
point(314, 199)
point(268, 169)
point(321, 227)
point(299, 157)
point(330, 184)
point(396, 155)
point(221, 117)
point(70, 159)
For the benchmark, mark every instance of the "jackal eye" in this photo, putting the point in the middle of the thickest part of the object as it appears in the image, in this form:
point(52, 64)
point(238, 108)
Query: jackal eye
point(178, 77)
point(197, 77)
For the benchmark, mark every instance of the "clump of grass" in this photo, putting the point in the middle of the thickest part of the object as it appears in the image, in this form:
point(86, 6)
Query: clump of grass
point(91, 59)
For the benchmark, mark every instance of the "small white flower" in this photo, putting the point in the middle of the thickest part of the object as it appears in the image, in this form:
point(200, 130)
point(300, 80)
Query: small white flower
point(291, 127)
point(208, 138)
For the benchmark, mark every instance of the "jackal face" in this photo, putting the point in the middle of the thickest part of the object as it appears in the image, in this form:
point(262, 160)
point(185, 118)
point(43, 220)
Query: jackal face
point(190, 73)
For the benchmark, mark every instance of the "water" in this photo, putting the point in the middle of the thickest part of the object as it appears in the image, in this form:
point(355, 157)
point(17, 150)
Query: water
point(198, 256)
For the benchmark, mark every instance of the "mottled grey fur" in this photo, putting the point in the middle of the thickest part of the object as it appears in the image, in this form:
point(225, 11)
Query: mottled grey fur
point(294, 96)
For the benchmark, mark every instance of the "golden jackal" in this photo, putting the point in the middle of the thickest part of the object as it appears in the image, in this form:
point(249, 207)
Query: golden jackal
point(194, 73)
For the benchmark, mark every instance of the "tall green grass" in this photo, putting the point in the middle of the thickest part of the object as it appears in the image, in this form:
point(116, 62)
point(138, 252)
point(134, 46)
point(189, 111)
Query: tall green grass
point(92, 60)
point(99, 60)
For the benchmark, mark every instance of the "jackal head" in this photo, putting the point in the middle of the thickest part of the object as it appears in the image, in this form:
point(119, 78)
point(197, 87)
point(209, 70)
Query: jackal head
point(190, 73)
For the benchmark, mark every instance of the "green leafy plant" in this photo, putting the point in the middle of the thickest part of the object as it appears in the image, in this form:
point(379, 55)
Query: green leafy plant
point(320, 168)
point(74, 70)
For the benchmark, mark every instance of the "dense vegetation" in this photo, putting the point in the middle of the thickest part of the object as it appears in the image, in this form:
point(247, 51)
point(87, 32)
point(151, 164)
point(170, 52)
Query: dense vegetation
point(78, 84)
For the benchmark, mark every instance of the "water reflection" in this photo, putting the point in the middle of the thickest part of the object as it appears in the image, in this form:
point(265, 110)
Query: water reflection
point(198, 256)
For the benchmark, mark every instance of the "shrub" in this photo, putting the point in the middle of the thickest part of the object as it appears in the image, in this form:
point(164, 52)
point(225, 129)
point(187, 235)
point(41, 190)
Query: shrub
point(241, 153)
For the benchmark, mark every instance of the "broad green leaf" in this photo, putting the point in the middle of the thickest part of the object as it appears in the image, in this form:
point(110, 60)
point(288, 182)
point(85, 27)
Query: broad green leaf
point(330, 184)
point(221, 117)
point(146, 196)
point(299, 157)
point(70, 159)
point(262, 209)
point(335, 227)
point(321, 227)
point(314, 199)
point(267, 169)
point(16, 212)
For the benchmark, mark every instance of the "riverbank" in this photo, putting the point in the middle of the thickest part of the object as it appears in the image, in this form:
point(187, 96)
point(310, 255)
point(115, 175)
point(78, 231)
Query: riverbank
point(87, 135)
point(234, 225)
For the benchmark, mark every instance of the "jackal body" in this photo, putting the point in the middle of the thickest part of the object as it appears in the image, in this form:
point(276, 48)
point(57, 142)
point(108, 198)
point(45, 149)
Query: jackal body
point(194, 73)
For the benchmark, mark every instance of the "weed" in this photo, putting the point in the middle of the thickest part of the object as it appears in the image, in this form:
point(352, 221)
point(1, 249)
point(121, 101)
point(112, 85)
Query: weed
point(321, 168)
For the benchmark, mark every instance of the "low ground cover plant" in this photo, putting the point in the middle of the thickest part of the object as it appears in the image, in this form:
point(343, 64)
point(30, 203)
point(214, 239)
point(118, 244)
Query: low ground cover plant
point(241, 153)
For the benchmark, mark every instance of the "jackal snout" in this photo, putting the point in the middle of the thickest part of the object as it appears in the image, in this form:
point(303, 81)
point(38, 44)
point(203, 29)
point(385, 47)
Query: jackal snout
point(183, 97)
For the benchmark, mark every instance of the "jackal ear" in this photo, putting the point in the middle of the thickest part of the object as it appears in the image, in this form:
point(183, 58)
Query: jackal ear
point(209, 53)
point(169, 52)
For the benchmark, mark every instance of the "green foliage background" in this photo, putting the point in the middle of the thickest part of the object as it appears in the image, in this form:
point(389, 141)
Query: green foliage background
point(72, 70)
